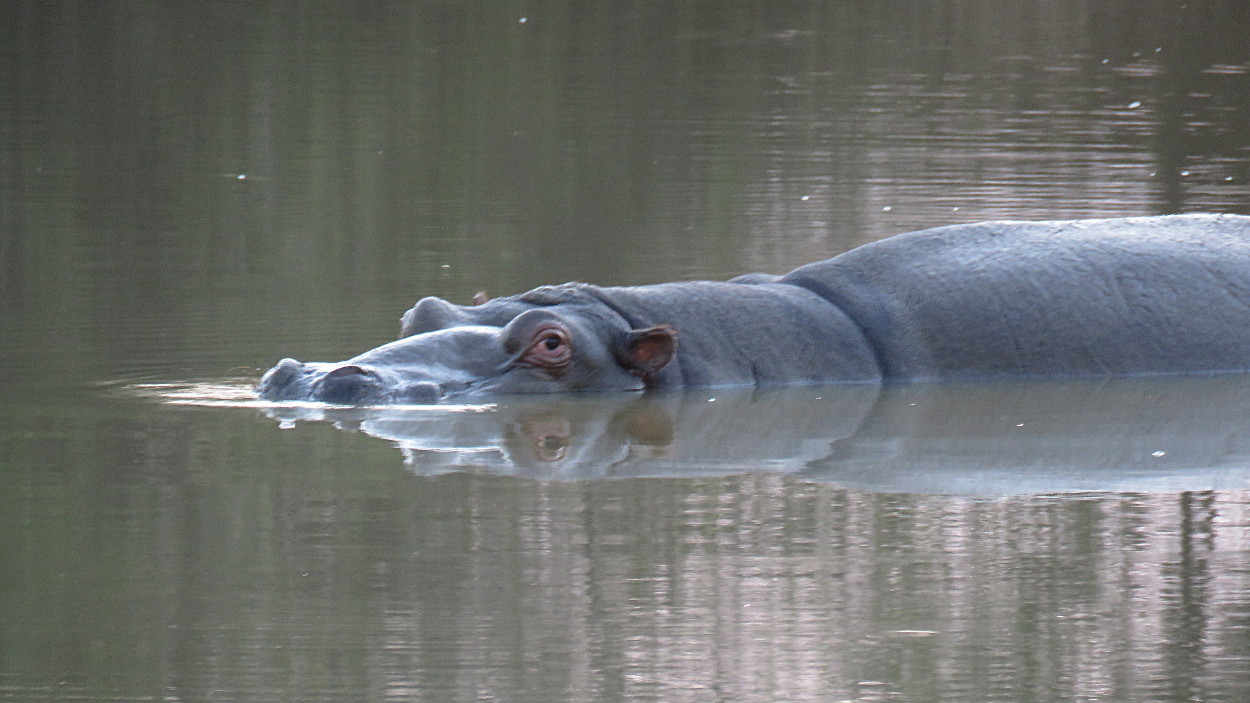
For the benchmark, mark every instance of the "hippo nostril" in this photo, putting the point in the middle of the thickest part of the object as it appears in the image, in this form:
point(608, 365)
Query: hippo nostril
point(275, 380)
point(348, 385)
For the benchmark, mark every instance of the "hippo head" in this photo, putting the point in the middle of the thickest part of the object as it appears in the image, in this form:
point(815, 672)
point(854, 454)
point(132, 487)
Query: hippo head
point(551, 340)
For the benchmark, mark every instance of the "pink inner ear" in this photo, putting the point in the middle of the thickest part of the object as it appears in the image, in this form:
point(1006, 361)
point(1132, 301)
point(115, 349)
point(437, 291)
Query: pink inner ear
point(651, 349)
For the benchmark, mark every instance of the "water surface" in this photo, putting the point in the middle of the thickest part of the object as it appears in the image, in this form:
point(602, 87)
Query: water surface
point(192, 190)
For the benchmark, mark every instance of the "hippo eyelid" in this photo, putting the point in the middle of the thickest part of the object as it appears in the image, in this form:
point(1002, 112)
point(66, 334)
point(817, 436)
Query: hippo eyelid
point(519, 361)
point(549, 349)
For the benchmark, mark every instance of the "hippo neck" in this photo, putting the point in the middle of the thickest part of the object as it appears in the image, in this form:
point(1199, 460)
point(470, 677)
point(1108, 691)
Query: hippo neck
point(747, 334)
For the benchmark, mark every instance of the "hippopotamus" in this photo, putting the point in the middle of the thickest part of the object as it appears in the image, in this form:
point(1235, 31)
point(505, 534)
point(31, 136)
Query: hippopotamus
point(992, 300)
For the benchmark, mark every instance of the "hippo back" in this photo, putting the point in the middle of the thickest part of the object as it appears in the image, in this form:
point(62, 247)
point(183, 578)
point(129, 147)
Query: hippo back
point(1065, 298)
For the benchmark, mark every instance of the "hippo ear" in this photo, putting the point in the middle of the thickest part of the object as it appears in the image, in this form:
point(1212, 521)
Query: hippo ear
point(647, 351)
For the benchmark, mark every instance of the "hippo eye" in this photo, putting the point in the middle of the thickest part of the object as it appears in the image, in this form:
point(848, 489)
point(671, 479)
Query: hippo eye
point(549, 349)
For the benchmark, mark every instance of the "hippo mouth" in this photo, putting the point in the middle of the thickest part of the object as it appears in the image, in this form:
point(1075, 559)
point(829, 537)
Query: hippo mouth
point(347, 384)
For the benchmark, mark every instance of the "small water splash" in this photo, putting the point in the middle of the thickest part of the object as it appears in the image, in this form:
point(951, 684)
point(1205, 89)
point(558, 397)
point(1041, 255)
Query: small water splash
point(221, 392)
point(240, 393)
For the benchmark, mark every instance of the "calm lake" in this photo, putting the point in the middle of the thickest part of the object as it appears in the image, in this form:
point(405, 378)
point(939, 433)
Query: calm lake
point(190, 191)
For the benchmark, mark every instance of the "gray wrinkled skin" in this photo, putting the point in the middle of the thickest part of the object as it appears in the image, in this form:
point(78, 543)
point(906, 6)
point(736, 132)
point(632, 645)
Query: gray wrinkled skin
point(991, 300)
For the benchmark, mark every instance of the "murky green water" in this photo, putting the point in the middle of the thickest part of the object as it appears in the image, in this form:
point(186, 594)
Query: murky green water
point(189, 191)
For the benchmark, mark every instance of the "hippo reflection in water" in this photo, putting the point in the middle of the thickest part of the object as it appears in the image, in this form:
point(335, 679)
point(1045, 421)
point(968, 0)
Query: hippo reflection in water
point(1139, 434)
point(1142, 295)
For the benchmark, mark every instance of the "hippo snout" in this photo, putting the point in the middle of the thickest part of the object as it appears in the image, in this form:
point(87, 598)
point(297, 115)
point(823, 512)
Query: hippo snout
point(348, 384)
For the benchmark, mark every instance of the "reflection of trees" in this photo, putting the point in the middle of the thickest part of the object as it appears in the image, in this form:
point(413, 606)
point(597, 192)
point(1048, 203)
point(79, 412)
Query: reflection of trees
point(757, 587)
point(763, 587)
point(1196, 66)
point(616, 145)
point(297, 564)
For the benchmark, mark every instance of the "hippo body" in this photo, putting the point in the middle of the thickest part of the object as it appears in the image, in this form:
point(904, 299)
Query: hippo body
point(1126, 296)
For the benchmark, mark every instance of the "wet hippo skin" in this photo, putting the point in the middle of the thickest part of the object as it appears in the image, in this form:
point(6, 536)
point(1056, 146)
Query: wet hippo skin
point(1145, 295)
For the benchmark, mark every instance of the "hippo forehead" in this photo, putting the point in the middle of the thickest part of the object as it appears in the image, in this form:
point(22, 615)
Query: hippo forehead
point(460, 347)
point(580, 299)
